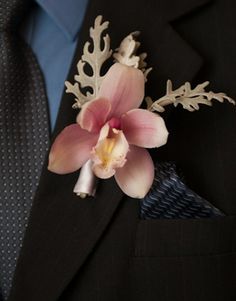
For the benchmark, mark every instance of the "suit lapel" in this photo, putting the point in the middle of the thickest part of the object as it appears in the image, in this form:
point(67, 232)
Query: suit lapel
point(63, 229)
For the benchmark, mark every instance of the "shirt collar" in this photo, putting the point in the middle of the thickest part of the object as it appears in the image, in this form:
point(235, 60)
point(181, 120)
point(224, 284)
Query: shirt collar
point(68, 15)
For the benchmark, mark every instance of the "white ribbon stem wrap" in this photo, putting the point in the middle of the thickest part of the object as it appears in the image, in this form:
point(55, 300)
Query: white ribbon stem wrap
point(87, 181)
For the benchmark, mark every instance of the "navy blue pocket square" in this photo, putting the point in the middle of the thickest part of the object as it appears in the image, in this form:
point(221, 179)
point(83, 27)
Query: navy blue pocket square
point(170, 198)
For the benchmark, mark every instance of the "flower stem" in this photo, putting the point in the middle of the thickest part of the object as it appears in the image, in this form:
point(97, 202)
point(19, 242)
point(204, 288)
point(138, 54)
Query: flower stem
point(87, 182)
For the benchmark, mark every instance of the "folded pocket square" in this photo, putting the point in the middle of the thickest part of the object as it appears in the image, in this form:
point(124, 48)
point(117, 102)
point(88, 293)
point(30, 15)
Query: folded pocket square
point(170, 198)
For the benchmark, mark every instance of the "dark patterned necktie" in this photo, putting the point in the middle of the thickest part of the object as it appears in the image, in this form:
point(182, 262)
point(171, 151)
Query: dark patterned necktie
point(170, 198)
point(24, 135)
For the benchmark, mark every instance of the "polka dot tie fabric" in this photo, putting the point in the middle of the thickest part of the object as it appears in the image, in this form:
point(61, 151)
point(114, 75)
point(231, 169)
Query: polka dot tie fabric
point(24, 136)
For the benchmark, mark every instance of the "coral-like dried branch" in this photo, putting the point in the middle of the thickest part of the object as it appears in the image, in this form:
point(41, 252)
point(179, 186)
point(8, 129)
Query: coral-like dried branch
point(95, 59)
point(186, 96)
point(127, 54)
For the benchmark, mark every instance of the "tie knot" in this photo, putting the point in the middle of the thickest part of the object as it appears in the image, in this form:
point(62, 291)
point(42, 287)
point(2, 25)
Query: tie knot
point(12, 13)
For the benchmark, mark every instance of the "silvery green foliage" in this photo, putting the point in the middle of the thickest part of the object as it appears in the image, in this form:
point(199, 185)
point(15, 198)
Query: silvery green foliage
point(95, 59)
point(126, 54)
point(186, 96)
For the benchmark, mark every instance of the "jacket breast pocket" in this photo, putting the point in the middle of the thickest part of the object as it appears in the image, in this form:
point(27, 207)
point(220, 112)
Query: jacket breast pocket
point(184, 237)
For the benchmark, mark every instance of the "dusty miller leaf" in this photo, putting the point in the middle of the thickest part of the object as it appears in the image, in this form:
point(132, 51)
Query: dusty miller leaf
point(127, 54)
point(186, 96)
point(95, 59)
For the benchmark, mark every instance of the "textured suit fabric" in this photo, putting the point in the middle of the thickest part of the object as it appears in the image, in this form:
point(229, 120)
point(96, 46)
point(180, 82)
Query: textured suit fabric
point(24, 136)
point(99, 248)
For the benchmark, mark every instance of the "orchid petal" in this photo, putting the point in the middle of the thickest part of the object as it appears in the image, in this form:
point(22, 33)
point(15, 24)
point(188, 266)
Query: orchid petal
point(136, 176)
point(94, 114)
point(124, 87)
point(109, 153)
point(71, 149)
point(143, 128)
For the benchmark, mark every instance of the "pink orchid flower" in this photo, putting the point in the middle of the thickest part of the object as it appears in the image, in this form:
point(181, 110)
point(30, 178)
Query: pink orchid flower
point(113, 133)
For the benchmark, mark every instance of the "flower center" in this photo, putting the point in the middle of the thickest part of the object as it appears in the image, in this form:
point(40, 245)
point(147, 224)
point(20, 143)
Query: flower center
point(110, 151)
point(115, 123)
point(106, 151)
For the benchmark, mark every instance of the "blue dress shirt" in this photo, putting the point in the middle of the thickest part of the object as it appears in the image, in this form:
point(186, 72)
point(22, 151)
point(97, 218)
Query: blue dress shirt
point(52, 31)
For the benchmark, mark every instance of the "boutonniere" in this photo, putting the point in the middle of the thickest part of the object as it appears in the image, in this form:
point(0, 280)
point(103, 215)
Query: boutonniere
point(111, 132)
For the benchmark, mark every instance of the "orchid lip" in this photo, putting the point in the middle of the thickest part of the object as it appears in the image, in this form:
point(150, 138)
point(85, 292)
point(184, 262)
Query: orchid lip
point(110, 152)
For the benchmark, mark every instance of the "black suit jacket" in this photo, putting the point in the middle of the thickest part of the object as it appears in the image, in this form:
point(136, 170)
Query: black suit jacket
point(98, 248)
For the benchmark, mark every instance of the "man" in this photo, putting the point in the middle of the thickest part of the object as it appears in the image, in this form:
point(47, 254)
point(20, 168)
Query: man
point(99, 248)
